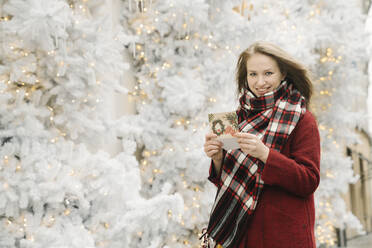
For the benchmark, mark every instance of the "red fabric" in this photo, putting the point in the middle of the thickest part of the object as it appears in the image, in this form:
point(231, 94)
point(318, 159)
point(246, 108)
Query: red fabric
point(285, 214)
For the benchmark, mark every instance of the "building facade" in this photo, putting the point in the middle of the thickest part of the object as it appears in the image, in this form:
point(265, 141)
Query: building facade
point(359, 197)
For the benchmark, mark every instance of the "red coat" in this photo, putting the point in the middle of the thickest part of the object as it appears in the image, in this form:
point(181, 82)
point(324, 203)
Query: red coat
point(284, 216)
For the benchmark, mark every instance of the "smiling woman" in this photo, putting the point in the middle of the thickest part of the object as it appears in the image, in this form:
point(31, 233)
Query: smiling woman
point(265, 188)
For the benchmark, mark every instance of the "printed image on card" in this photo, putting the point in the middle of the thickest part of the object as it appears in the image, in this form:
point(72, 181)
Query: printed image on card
point(224, 125)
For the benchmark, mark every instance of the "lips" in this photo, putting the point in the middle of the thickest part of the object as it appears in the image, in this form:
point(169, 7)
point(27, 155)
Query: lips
point(263, 91)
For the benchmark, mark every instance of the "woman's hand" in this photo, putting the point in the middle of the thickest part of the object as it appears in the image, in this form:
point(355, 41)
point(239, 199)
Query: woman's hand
point(252, 145)
point(213, 148)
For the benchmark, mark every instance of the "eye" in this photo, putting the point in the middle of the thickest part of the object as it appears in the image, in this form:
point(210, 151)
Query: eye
point(252, 74)
point(269, 73)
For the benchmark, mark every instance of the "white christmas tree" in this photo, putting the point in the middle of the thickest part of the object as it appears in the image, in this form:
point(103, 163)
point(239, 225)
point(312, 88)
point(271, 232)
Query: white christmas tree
point(185, 57)
point(58, 61)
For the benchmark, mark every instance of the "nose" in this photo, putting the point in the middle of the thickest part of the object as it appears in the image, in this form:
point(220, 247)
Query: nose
point(260, 81)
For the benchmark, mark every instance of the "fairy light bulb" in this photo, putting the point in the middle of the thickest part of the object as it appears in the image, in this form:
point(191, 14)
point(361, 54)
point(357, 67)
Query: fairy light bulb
point(146, 153)
point(6, 159)
point(30, 238)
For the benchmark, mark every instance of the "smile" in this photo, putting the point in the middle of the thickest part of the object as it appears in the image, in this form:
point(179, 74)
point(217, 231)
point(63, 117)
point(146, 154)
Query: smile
point(263, 90)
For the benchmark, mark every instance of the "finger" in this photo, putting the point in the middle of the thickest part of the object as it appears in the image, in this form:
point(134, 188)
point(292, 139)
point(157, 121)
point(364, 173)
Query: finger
point(210, 136)
point(242, 141)
point(247, 141)
point(248, 148)
point(214, 142)
point(239, 134)
point(212, 153)
point(212, 147)
point(245, 135)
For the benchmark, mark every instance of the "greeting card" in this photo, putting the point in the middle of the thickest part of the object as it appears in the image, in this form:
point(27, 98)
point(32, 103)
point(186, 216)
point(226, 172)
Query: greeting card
point(224, 125)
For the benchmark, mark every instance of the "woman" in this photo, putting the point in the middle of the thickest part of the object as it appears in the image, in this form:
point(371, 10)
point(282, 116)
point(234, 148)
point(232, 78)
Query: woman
point(265, 188)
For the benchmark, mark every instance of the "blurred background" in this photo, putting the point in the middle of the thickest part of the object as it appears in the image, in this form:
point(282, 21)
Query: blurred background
point(104, 105)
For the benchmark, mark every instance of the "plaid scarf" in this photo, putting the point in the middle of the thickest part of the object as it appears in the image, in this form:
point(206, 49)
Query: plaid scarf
point(272, 118)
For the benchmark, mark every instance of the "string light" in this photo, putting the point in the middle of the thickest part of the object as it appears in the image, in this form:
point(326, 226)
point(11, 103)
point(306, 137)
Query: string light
point(146, 153)
point(18, 168)
point(5, 18)
point(330, 58)
point(329, 174)
point(30, 238)
point(6, 159)
point(212, 99)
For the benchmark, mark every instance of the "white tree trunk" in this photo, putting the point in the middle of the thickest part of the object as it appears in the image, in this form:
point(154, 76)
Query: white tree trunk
point(116, 104)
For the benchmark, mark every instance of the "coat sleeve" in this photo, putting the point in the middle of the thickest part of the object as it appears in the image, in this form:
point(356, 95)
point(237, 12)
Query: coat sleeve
point(298, 173)
point(213, 176)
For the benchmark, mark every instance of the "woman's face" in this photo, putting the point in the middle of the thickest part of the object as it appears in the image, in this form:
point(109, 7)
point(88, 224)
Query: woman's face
point(263, 74)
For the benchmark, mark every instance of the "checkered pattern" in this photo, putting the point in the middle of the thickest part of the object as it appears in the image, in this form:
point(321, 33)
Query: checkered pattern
point(272, 118)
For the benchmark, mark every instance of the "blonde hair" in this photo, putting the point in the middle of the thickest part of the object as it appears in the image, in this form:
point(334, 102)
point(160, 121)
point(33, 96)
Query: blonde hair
point(295, 72)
